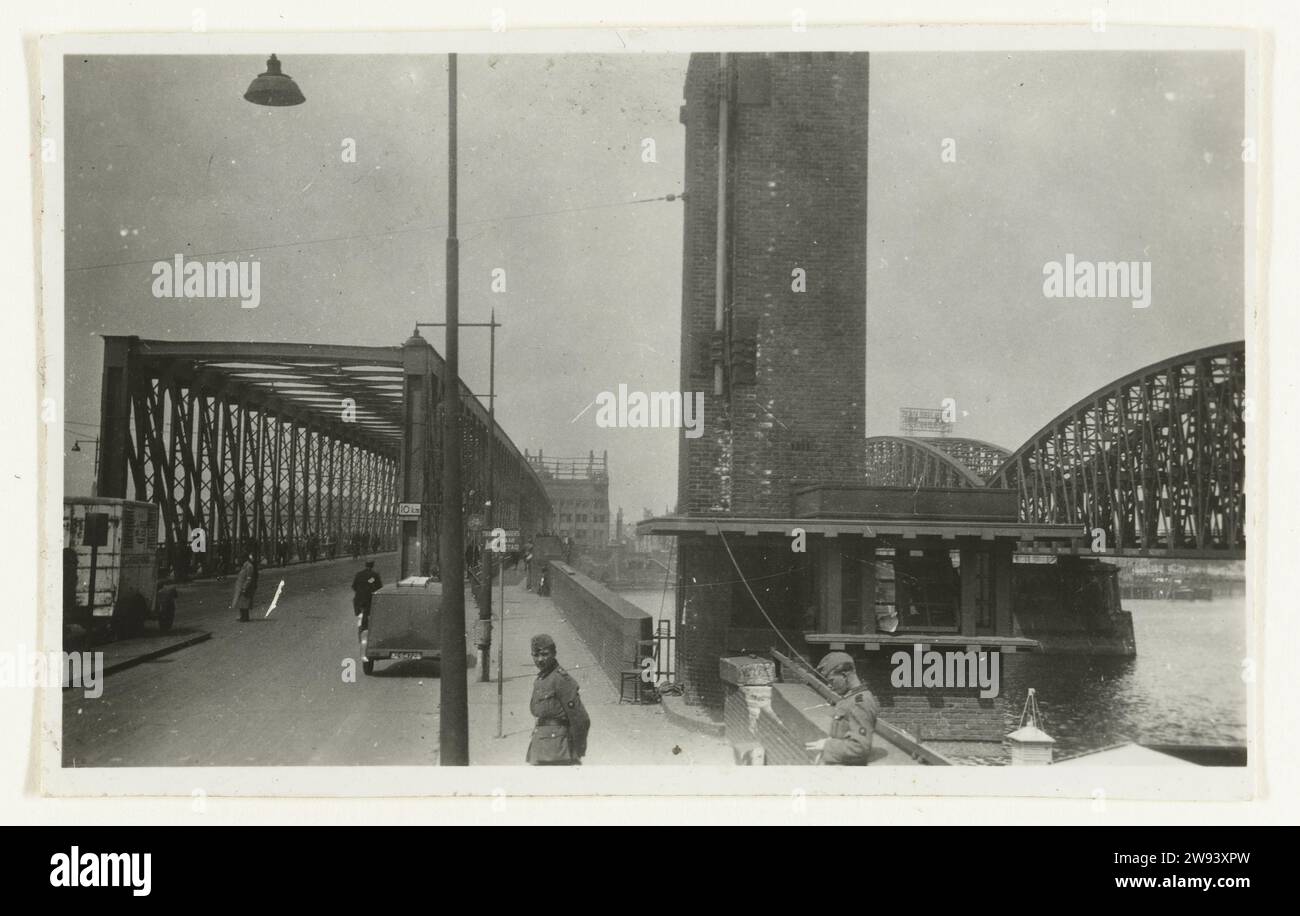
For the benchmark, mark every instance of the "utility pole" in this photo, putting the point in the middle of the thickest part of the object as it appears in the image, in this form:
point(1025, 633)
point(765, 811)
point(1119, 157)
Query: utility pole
point(453, 721)
point(485, 611)
point(483, 633)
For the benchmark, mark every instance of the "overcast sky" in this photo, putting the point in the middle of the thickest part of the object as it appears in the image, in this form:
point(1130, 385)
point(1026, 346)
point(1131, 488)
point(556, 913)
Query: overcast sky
point(1105, 156)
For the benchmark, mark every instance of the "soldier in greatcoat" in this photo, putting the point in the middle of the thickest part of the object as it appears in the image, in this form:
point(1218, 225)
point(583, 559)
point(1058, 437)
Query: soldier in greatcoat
point(245, 587)
point(560, 735)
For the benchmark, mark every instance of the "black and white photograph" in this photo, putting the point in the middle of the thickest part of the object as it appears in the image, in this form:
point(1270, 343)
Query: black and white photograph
point(716, 404)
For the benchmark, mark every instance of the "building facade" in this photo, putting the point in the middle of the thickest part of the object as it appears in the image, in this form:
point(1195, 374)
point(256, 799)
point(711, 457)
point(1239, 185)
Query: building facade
point(578, 489)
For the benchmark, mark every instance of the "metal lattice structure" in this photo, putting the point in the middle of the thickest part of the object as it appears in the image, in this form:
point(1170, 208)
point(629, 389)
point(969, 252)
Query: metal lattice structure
point(910, 461)
point(294, 450)
point(1156, 460)
point(980, 457)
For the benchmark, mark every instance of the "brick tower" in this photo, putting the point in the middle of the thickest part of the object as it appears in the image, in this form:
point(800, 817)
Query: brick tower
point(784, 375)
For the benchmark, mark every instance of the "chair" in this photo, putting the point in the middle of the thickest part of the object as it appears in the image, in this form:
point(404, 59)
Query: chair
point(630, 677)
point(634, 676)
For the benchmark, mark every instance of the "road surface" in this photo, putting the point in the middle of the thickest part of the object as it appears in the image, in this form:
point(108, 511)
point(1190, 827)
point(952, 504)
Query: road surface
point(270, 692)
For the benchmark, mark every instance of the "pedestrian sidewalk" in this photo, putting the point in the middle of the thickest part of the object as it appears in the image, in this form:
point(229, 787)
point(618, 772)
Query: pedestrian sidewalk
point(620, 733)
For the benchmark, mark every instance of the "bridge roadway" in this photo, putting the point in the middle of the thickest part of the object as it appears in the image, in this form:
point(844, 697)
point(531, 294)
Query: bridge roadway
point(269, 692)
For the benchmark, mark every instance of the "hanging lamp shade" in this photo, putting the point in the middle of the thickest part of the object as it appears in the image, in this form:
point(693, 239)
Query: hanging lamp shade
point(274, 88)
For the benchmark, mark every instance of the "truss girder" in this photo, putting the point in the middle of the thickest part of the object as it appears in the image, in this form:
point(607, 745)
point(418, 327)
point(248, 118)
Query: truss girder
point(1156, 460)
point(292, 450)
point(907, 461)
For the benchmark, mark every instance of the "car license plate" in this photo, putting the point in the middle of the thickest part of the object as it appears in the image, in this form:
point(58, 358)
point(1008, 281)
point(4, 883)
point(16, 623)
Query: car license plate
point(406, 656)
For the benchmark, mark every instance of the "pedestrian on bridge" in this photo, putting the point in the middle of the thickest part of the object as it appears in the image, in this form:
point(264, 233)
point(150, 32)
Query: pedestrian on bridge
point(246, 585)
point(364, 584)
point(560, 736)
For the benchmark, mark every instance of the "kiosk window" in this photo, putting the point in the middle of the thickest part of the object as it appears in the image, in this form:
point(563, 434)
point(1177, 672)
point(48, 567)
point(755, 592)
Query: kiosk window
point(927, 590)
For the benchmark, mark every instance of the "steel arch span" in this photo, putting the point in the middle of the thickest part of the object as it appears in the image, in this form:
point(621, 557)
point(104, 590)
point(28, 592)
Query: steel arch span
point(295, 451)
point(1156, 460)
point(909, 461)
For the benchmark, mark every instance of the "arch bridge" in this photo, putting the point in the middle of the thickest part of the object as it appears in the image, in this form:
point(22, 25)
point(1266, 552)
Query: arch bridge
point(1154, 461)
point(1152, 464)
point(935, 461)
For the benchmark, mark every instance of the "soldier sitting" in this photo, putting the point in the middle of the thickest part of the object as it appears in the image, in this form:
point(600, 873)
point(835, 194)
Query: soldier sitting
point(854, 719)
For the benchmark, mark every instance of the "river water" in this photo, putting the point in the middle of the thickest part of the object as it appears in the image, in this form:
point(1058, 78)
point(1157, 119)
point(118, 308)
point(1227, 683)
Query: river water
point(1184, 687)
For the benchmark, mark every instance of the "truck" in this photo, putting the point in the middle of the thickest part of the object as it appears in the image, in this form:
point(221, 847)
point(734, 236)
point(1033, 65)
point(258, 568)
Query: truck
point(404, 623)
point(110, 566)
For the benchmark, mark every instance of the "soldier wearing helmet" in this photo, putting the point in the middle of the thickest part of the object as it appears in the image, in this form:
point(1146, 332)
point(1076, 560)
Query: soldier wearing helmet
point(854, 718)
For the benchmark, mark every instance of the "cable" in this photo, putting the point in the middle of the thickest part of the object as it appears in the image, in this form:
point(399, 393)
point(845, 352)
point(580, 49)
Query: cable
point(795, 652)
point(391, 232)
point(784, 572)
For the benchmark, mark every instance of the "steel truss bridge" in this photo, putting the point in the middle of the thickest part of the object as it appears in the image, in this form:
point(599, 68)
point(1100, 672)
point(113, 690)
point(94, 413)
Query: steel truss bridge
point(1155, 460)
point(298, 451)
point(910, 461)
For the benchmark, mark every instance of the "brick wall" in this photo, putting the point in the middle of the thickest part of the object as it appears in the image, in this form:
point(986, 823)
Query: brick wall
point(782, 737)
point(798, 192)
point(712, 601)
point(934, 713)
point(612, 627)
point(795, 716)
point(780, 746)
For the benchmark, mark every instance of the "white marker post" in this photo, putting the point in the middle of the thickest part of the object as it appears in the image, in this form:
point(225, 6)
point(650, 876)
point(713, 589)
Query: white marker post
point(278, 589)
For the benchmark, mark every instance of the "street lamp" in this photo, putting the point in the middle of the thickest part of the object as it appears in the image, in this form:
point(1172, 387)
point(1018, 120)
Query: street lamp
point(273, 88)
point(276, 89)
point(94, 481)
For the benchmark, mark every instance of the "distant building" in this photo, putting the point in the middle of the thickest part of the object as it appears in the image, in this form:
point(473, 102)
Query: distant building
point(579, 492)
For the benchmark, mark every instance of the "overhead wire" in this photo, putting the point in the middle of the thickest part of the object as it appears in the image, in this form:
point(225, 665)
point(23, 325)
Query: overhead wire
point(789, 645)
point(374, 235)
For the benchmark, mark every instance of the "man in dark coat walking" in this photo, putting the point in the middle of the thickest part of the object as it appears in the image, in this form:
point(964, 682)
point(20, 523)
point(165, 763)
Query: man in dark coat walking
point(364, 584)
point(245, 587)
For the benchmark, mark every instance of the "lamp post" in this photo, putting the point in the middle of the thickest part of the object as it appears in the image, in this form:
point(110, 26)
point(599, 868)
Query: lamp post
point(453, 721)
point(485, 609)
point(277, 89)
point(94, 480)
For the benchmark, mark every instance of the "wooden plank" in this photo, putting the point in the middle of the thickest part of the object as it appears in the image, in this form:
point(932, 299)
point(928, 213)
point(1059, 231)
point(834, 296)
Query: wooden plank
point(876, 640)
